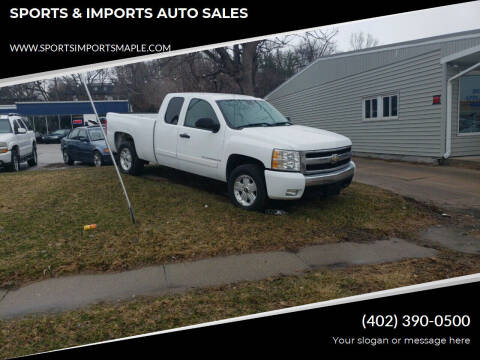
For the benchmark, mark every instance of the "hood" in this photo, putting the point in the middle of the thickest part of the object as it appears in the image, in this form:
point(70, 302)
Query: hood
point(298, 137)
point(6, 137)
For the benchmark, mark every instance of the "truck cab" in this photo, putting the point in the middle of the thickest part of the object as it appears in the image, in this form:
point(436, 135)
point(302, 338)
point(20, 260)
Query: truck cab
point(17, 143)
point(238, 139)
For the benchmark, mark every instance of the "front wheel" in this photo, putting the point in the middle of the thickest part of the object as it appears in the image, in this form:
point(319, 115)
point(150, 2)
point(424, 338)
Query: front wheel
point(15, 164)
point(246, 187)
point(34, 159)
point(97, 159)
point(66, 158)
point(130, 163)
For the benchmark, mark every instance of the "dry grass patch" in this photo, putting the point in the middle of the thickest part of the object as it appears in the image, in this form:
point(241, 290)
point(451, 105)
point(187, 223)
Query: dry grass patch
point(43, 213)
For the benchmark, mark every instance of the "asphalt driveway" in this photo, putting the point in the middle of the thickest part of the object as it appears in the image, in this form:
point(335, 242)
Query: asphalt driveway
point(445, 186)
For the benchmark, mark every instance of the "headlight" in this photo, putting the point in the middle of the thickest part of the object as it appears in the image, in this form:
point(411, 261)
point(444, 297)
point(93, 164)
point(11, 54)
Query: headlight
point(3, 147)
point(286, 160)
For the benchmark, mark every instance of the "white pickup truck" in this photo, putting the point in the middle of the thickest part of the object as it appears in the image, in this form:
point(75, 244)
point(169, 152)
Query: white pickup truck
point(17, 143)
point(241, 140)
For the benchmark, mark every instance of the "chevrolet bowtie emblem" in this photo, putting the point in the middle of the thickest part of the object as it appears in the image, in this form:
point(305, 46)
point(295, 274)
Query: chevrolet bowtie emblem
point(334, 158)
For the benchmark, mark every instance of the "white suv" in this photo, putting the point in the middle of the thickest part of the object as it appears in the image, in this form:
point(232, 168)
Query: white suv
point(17, 143)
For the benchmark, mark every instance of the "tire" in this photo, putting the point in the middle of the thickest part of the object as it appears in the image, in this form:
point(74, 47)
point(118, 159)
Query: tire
point(246, 187)
point(128, 159)
point(34, 159)
point(66, 158)
point(97, 159)
point(15, 163)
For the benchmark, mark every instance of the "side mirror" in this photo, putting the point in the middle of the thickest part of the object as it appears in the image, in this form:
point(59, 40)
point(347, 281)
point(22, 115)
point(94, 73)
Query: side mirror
point(21, 131)
point(207, 124)
point(288, 118)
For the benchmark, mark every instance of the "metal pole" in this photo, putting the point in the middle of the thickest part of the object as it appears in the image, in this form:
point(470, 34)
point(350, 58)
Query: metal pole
point(130, 208)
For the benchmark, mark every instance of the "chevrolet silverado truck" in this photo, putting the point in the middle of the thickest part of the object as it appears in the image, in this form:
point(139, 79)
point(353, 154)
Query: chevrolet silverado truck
point(241, 140)
point(17, 143)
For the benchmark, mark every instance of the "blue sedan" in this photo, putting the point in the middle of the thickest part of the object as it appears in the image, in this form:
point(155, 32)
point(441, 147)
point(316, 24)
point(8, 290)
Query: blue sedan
point(85, 144)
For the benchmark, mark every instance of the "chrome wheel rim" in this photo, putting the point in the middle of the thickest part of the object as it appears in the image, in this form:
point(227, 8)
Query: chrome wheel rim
point(97, 160)
point(126, 159)
point(245, 190)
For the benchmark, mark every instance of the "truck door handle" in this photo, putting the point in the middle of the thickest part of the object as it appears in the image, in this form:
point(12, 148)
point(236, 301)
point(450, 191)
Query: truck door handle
point(186, 136)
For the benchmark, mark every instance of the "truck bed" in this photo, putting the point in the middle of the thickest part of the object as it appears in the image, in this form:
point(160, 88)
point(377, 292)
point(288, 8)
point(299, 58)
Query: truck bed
point(139, 126)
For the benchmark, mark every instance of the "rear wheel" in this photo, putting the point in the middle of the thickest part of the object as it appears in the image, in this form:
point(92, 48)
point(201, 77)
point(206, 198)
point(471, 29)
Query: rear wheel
point(66, 158)
point(33, 160)
point(246, 187)
point(15, 163)
point(97, 159)
point(130, 163)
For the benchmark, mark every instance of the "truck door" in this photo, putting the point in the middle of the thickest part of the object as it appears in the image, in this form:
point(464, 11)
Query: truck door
point(166, 133)
point(22, 139)
point(29, 137)
point(200, 140)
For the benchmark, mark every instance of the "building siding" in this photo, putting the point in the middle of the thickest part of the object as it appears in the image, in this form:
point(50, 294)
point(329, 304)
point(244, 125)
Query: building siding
point(337, 106)
point(328, 95)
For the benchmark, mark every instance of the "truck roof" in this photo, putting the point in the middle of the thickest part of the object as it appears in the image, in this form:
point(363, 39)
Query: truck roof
point(216, 96)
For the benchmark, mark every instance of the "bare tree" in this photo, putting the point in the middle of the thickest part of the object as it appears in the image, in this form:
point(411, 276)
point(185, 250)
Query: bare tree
point(315, 44)
point(359, 41)
point(71, 88)
point(238, 62)
point(32, 91)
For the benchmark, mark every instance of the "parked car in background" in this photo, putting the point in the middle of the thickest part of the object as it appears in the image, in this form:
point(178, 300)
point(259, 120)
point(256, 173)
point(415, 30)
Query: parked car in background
point(17, 143)
point(56, 136)
point(85, 144)
point(38, 137)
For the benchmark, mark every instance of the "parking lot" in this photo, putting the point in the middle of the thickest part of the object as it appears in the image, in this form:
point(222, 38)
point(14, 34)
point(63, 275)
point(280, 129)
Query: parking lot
point(49, 157)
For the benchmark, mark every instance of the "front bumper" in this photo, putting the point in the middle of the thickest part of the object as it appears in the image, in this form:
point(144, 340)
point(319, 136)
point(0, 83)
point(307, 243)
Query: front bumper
point(5, 158)
point(291, 185)
point(331, 177)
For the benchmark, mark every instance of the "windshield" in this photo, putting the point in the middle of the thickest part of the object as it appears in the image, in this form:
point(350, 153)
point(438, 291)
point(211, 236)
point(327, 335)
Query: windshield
point(243, 113)
point(95, 134)
point(5, 126)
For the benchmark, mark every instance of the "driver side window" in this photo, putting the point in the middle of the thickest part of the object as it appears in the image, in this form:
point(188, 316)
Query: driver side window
point(199, 109)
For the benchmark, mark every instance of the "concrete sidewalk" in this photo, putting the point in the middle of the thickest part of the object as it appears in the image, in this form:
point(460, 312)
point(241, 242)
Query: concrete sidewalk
point(445, 186)
point(60, 294)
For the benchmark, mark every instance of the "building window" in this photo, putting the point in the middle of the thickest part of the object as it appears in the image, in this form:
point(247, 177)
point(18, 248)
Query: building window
point(389, 106)
point(469, 105)
point(371, 108)
point(380, 107)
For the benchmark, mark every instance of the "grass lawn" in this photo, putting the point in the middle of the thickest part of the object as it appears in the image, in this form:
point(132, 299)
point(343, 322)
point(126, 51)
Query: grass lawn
point(180, 217)
point(108, 321)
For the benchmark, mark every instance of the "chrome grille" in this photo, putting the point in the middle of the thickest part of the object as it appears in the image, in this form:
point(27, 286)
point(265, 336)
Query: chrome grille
point(322, 161)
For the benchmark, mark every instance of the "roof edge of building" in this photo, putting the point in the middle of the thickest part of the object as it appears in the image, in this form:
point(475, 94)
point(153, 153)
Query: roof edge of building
point(403, 44)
